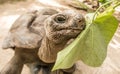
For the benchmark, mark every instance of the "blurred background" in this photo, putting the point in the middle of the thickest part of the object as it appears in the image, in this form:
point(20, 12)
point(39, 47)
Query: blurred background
point(10, 10)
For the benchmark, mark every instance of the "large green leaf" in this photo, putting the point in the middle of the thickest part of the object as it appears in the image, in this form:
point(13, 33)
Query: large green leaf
point(91, 45)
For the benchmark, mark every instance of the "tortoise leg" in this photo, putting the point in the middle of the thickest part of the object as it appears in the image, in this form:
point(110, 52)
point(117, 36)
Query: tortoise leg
point(46, 69)
point(40, 69)
point(34, 67)
point(14, 66)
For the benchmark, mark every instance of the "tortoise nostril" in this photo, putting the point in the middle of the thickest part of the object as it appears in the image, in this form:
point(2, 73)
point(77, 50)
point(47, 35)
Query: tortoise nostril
point(79, 21)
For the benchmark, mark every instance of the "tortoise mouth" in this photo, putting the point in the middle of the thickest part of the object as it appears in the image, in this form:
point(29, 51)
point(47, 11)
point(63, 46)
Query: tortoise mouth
point(69, 28)
point(72, 28)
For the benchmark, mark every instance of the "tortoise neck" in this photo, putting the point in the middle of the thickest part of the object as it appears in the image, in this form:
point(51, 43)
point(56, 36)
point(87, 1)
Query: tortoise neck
point(49, 49)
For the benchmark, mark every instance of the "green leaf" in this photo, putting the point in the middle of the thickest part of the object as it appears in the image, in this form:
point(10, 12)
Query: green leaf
point(91, 45)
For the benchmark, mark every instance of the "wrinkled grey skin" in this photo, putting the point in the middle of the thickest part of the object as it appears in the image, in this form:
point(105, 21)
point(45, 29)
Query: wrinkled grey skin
point(37, 37)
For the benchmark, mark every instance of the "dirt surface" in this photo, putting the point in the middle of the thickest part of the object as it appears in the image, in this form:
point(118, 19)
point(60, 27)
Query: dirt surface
point(10, 12)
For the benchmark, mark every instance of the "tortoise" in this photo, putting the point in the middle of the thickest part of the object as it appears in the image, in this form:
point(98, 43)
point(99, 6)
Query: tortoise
point(37, 37)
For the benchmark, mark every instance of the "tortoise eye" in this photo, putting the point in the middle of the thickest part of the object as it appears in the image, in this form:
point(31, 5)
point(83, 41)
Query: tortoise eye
point(60, 19)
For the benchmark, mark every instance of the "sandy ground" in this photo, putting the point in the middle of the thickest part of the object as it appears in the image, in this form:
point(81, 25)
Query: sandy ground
point(10, 12)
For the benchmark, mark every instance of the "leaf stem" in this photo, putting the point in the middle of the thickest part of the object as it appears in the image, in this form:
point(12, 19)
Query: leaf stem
point(100, 8)
point(118, 4)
